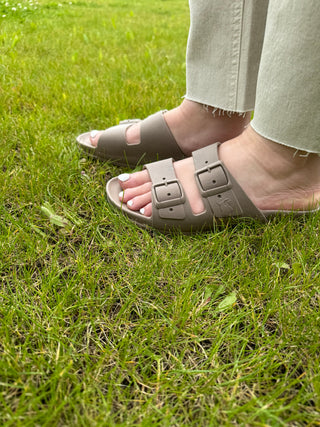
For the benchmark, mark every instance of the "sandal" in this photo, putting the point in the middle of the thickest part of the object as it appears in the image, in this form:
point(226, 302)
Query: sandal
point(222, 196)
point(157, 142)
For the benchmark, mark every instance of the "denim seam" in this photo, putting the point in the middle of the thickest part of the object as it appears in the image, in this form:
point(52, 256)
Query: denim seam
point(237, 22)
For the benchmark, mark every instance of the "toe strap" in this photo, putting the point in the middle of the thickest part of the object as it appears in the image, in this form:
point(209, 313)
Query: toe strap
point(157, 142)
point(168, 198)
point(220, 191)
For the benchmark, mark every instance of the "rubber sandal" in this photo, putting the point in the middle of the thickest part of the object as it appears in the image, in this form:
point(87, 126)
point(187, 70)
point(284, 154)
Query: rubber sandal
point(157, 142)
point(222, 196)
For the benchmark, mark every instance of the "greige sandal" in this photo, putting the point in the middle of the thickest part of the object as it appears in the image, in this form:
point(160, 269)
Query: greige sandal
point(157, 142)
point(222, 196)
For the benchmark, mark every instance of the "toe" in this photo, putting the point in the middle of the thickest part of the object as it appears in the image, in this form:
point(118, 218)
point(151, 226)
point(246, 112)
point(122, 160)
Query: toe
point(146, 210)
point(139, 202)
point(94, 137)
point(133, 180)
point(131, 193)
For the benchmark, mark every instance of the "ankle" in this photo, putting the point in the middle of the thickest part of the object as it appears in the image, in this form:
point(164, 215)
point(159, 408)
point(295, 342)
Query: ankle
point(276, 156)
point(273, 175)
point(228, 119)
point(195, 125)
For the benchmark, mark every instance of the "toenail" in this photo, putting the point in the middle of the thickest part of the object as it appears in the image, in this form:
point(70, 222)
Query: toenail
point(121, 194)
point(142, 211)
point(123, 177)
point(94, 133)
point(130, 203)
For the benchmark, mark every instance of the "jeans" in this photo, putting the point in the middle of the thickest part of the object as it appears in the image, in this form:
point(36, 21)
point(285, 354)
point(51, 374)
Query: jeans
point(259, 55)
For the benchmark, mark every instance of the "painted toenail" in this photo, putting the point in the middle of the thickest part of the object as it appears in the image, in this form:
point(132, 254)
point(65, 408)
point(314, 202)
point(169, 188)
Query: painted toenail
point(121, 194)
point(123, 177)
point(130, 203)
point(142, 211)
point(94, 133)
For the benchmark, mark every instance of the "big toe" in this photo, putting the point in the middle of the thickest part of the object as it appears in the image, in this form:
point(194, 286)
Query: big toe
point(94, 137)
point(134, 179)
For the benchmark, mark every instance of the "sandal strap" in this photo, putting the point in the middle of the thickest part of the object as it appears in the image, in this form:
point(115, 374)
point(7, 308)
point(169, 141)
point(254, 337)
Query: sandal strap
point(168, 198)
point(157, 138)
point(157, 141)
point(219, 188)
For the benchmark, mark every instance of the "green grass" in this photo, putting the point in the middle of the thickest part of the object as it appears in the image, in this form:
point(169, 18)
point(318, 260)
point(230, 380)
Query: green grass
point(102, 323)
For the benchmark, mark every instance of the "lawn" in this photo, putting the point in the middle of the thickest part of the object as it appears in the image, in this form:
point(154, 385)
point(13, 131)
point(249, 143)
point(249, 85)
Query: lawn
point(104, 324)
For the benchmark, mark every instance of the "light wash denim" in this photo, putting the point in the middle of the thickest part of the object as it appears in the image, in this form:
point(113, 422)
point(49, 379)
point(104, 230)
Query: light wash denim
point(259, 55)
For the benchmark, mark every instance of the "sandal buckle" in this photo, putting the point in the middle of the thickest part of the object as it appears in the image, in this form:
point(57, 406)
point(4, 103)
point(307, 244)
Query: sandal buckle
point(169, 193)
point(212, 179)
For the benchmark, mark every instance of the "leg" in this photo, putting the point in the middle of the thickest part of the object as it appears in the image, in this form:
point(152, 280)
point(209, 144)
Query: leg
point(287, 106)
point(223, 53)
point(275, 160)
point(285, 128)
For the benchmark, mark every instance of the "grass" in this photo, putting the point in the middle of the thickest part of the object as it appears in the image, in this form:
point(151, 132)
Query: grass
point(105, 324)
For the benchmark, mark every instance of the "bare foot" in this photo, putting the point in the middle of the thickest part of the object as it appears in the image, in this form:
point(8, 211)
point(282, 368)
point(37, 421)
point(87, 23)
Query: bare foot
point(194, 126)
point(273, 176)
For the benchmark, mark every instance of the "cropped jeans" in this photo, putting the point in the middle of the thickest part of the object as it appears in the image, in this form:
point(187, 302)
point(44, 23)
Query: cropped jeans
point(260, 55)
